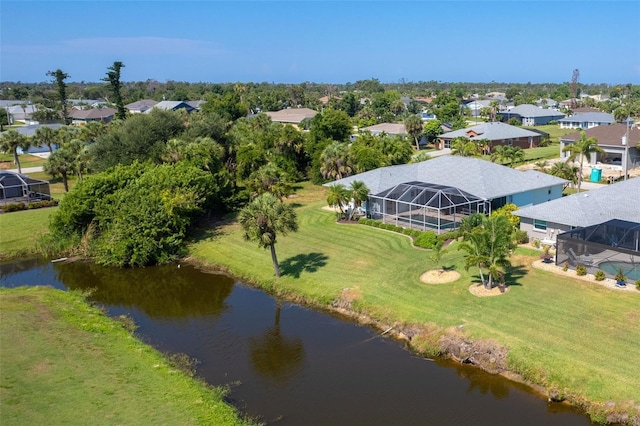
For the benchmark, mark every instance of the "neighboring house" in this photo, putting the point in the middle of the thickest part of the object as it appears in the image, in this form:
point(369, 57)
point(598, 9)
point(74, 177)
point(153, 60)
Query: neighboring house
point(586, 120)
point(171, 106)
point(531, 115)
point(610, 140)
point(21, 113)
point(391, 129)
point(547, 103)
point(84, 116)
point(476, 106)
point(618, 201)
point(437, 194)
point(196, 104)
point(293, 116)
point(138, 107)
point(83, 103)
point(496, 133)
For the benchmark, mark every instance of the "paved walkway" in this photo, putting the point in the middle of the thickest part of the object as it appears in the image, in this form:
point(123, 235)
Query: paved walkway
point(27, 170)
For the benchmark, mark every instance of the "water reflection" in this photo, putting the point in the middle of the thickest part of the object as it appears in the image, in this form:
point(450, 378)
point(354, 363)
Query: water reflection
point(275, 356)
point(160, 292)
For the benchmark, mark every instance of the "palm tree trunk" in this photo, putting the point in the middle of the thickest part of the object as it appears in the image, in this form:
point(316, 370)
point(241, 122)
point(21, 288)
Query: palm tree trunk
point(489, 282)
point(580, 174)
point(276, 267)
point(417, 144)
point(481, 275)
point(65, 182)
point(16, 160)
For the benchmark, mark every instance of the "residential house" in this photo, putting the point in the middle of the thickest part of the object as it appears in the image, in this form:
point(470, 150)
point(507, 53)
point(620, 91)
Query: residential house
point(138, 107)
point(495, 133)
point(80, 117)
point(531, 115)
point(476, 106)
point(610, 140)
point(294, 116)
point(21, 113)
point(617, 201)
point(586, 120)
point(171, 106)
point(437, 194)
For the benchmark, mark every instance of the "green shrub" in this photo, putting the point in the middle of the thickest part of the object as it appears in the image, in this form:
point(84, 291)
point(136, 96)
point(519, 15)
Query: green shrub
point(426, 239)
point(408, 231)
point(565, 266)
point(520, 236)
point(581, 270)
point(638, 284)
point(599, 275)
point(7, 208)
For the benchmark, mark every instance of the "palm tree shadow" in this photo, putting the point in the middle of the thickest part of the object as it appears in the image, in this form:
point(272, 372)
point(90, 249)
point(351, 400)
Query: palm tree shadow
point(307, 262)
point(514, 273)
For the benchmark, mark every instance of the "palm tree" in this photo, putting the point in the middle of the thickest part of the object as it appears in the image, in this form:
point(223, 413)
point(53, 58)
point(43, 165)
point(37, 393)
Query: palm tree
point(60, 163)
point(338, 196)
point(10, 141)
point(585, 147)
point(489, 246)
point(464, 147)
point(45, 136)
point(515, 155)
point(413, 125)
point(335, 161)
point(263, 219)
point(359, 194)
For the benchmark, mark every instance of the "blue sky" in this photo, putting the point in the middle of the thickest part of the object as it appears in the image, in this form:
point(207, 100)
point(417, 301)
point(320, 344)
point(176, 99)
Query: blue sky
point(323, 41)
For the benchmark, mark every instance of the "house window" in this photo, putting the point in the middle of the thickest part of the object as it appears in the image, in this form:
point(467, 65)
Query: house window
point(510, 142)
point(540, 225)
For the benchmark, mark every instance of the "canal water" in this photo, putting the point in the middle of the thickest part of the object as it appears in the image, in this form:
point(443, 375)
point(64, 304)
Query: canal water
point(288, 365)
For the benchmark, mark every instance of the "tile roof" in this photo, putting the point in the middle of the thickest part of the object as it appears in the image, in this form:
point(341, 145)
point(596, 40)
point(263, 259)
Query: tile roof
point(388, 128)
point(141, 105)
point(291, 115)
point(478, 177)
point(491, 131)
point(171, 106)
point(607, 135)
point(618, 201)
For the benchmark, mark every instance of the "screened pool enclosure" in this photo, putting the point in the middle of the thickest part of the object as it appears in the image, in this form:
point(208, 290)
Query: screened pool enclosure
point(425, 206)
point(608, 246)
point(16, 188)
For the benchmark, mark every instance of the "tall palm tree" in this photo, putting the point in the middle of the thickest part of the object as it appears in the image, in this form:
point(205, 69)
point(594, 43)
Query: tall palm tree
point(413, 125)
point(359, 193)
point(585, 147)
point(60, 163)
point(335, 161)
point(338, 196)
point(263, 219)
point(10, 141)
point(45, 136)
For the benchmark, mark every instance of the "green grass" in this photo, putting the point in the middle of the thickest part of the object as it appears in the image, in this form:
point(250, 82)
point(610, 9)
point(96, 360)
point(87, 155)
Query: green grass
point(579, 338)
point(65, 362)
point(554, 131)
point(26, 160)
point(20, 230)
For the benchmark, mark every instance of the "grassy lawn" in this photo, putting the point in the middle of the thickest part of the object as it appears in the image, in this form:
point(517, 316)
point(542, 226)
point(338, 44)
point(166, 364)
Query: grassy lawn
point(65, 362)
point(579, 338)
point(553, 130)
point(26, 160)
point(20, 230)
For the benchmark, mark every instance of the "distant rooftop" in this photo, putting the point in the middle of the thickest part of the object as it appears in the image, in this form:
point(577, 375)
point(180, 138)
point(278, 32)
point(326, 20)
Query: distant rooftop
point(292, 115)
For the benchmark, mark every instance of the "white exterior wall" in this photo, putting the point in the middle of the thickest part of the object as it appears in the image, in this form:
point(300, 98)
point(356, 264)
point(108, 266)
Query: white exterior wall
point(550, 234)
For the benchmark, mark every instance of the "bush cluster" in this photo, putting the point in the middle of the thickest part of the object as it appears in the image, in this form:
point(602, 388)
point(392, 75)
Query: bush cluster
point(599, 276)
point(14, 207)
point(423, 239)
point(581, 270)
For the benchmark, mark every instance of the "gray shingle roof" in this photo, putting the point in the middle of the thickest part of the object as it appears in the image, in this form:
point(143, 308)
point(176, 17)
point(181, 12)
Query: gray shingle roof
point(492, 131)
point(589, 117)
point(528, 110)
point(481, 178)
point(617, 201)
point(388, 128)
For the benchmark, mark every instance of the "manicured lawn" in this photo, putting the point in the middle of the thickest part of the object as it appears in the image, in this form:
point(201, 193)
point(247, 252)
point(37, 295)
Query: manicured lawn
point(577, 337)
point(65, 362)
point(56, 186)
point(20, 230)
point(553, 130)
point(26, 160)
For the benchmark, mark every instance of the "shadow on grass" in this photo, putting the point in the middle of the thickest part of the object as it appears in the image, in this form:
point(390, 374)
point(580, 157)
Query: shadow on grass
point(308, 262)
point(512, 275)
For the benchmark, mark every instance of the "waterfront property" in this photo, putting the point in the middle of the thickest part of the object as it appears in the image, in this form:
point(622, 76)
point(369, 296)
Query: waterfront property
point(618, 201)
point(17, 188)
point(437, 194)
point(610, 246)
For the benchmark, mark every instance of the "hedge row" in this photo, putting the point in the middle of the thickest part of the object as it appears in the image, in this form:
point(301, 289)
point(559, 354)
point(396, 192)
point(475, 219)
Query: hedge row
point(424, 239)
point(30, 206)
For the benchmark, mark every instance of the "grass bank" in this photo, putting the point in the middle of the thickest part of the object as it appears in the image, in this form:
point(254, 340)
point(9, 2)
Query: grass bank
point(19, 231)
point(575, 339)
point(63, 359)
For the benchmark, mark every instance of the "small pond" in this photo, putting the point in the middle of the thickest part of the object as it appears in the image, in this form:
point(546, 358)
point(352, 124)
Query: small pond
point(288, 365)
